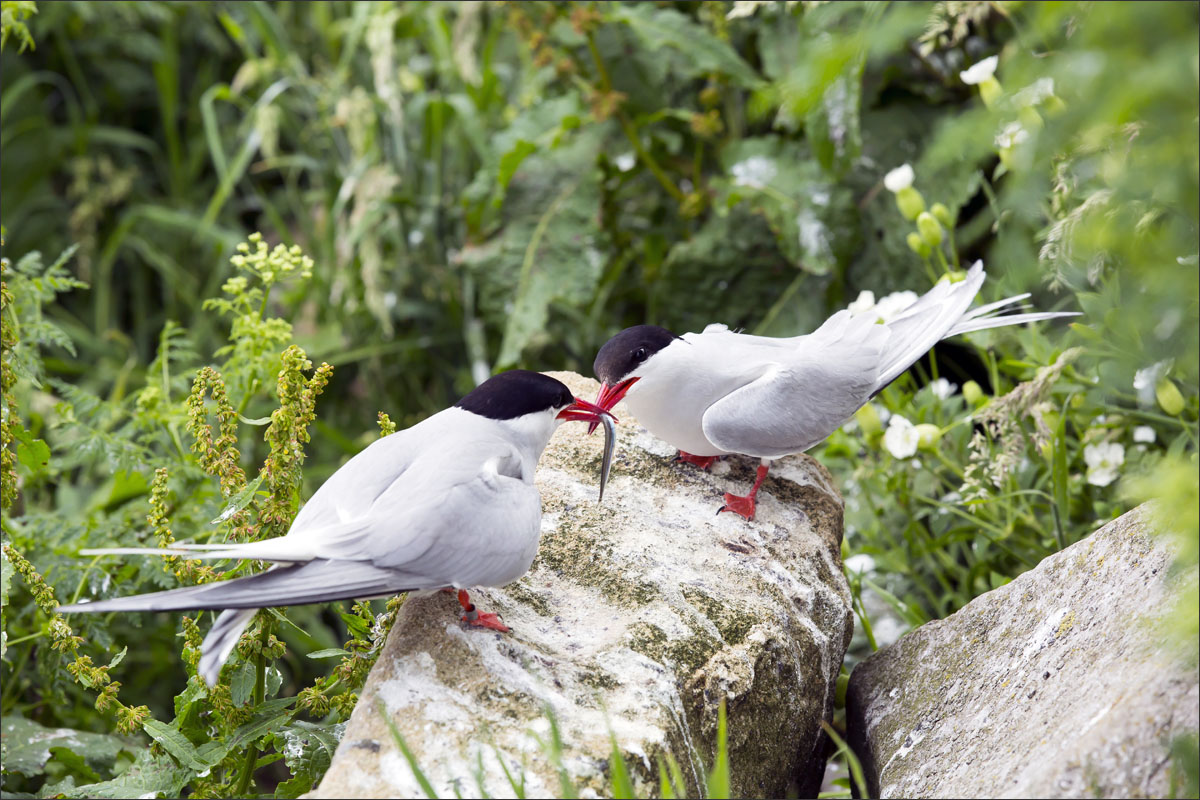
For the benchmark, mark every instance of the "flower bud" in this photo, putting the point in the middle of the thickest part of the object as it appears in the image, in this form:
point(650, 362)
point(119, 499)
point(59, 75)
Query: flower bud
point(918, 245)
point(1030, 118)
point(868, 420)
point(929, 228)
point(942, 214)
point(910, 202)
point(1169, 398)
point(928, 436)
point(973, 394)
point(990, 91)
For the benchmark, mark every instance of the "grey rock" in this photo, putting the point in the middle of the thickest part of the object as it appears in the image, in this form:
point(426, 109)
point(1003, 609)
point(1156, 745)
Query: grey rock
point(1061, 683)
point(639, 616)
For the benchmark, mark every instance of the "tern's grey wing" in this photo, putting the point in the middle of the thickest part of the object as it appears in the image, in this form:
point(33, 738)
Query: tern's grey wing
point(461, 514)
point(803, 397)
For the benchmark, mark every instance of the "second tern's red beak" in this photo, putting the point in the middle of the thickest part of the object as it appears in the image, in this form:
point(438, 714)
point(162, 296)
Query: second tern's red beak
point(583, 411)
point(611, 395)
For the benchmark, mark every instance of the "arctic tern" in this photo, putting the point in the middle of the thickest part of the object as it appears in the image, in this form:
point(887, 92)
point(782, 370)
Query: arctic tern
point(718, 392)
point(447, 503)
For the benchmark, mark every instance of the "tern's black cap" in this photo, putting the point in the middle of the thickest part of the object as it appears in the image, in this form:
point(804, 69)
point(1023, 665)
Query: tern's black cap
point(516, 393)
point(626, 351)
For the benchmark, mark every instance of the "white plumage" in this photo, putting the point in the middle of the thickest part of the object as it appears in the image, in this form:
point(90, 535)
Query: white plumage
point(449, 502)
point(720, 392)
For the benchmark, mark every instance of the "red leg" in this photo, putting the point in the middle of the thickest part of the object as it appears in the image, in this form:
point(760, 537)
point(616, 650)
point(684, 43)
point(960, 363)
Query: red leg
point(703, 462)
point(745, 505)
point(475, 618)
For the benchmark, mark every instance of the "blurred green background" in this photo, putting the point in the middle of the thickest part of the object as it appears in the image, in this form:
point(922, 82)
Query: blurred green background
point(489, 185)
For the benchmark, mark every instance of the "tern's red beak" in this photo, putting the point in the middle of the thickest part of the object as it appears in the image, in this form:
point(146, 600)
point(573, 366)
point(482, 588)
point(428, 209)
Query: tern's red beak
point(583, 411)
point(611, 395)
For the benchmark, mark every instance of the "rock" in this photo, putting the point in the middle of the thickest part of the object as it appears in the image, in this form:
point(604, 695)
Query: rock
point(638, 617)
point(1059, 684)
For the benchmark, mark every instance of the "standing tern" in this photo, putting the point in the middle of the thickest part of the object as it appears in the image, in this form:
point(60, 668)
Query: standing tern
point(718, 392)
point(449, 502)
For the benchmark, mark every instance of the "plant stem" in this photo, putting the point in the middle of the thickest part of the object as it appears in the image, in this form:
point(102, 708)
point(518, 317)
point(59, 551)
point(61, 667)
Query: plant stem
point(628, 128)
point(260, 687)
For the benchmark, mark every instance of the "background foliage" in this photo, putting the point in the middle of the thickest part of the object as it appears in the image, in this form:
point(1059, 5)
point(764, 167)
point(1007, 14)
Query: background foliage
point(485, 185)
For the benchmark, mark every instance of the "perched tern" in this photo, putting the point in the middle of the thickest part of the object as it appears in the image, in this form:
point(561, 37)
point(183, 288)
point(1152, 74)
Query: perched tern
point(718, 392)
point(447, 503)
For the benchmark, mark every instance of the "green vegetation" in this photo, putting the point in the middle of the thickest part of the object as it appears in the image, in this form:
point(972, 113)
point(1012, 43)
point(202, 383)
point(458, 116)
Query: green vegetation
point(444, 190)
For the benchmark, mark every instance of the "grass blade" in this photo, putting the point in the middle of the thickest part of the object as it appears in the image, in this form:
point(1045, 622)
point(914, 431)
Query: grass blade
point(622, 786)
point(718, 779)
point(418, 773)
point(843, 750)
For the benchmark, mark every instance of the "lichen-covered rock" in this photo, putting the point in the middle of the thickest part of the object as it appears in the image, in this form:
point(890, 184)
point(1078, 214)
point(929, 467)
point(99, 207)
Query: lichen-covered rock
point(639, 616)
point(1059, 684)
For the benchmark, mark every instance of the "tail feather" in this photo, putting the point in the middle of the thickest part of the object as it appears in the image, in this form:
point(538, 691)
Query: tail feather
point(293, 585)
point(943, 312)
point(968, 325)
point(989, 308)
point(219, 643)
point(282, 549)
point(925, 322)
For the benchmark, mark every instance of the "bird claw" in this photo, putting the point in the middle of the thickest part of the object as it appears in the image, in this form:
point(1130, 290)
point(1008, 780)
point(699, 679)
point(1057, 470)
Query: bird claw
point(476, 619)
point(703, 462)
point(742, 506)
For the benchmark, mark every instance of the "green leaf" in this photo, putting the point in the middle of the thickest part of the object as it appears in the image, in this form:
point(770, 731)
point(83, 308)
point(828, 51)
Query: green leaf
point(150, 776)
point(180, 748)
point(32, 454)
point(7, 570)
point(74, 763)
point(330, 652)
point(665, 27)
point(240, 500)
point(308, 749)
point(268, 717)
point(241, 685)
point(118, 658)
point(511, 160)
point(28, 745)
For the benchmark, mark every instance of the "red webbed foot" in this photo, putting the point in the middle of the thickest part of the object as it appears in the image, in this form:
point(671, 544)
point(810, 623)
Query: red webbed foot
point(703, 462)
point(745, 505)
point(739, 505)
point(477, 619)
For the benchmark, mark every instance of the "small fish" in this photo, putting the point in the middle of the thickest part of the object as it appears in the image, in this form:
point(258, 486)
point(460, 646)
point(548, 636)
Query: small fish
point(610, 442)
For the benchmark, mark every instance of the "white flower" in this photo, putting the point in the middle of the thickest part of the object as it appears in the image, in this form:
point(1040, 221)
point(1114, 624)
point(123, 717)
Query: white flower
point(980, 72)
point(1104, 462)
point(893, 304)
point(884, 416)
point(1035, 93)
point(861, 563)
point(1144, 433)
point(901, 438)
point(755, 172)
point(864, 303)
point(943, 388)
point(899, 178)
point(745, 8)
point(1013, 134)
point(1144, 381)
point(625, 161)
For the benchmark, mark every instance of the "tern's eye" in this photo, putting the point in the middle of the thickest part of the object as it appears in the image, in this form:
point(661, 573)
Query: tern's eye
point(639, 354)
